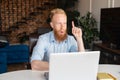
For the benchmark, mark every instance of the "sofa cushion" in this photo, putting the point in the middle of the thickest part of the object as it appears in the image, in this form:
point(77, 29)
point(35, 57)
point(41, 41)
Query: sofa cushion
point(3, 62)
point(16, 53)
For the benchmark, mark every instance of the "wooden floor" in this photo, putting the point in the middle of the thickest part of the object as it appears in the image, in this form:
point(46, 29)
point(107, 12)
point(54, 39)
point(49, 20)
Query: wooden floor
point(17, 66)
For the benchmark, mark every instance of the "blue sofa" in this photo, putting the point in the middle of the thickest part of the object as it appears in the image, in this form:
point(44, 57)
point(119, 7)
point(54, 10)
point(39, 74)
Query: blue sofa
point(13, 54)
point(3, 61)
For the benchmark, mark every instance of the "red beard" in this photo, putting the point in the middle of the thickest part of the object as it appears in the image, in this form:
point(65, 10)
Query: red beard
point(60, 37)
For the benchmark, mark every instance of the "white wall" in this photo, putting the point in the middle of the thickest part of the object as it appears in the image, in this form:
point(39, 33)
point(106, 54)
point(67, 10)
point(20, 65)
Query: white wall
point(83, 6)
point(116, 3)
point(96, 7)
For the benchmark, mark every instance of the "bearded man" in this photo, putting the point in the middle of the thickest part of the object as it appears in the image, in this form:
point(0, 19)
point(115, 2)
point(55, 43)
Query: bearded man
point(56, 41)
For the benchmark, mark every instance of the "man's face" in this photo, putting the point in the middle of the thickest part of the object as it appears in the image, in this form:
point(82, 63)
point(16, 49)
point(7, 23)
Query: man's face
point(59, 25)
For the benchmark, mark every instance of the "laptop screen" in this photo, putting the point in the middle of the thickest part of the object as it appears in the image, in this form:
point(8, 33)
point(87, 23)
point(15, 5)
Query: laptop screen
point(74, 66)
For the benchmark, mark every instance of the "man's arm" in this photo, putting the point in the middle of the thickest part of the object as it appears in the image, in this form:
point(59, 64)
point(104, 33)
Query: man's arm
point(40, 65)
point(77, 32)
point(80, 44)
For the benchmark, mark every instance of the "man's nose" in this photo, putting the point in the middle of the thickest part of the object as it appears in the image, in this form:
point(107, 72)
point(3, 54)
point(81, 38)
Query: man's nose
point(62, 26)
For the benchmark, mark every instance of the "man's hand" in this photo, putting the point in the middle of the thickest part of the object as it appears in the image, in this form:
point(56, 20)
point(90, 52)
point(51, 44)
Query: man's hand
point(77, 32)
point(40, 65)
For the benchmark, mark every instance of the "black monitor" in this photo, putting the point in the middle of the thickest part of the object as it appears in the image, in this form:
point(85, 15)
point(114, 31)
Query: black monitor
point(110, 26)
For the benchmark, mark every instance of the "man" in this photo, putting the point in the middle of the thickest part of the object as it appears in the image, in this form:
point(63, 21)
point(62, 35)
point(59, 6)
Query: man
point(56, 41)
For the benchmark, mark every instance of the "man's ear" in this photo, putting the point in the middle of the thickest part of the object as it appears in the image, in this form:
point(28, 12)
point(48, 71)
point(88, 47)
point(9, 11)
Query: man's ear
point(51, 24)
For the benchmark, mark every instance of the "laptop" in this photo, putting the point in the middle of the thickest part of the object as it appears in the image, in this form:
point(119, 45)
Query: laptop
point(74, 66)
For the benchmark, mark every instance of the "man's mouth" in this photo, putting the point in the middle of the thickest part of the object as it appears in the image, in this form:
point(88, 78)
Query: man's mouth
point(61, 32)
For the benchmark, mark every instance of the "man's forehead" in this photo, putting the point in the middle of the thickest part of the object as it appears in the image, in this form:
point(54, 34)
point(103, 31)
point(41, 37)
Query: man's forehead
point(57, 15)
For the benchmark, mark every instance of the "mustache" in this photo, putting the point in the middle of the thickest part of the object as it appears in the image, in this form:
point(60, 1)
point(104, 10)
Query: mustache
point(60, 37)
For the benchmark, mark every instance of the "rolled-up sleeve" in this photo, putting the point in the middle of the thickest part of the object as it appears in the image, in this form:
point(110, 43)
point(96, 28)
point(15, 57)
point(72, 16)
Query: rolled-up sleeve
point(39, 49)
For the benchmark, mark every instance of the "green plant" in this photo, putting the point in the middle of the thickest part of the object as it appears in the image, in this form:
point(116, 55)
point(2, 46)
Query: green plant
point(88, 25)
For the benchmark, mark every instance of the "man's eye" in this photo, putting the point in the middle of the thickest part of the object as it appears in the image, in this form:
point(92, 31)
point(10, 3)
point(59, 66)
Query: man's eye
point(57, 23)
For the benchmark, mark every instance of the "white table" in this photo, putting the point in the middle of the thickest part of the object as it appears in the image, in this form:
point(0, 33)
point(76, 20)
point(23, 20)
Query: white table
point(23, 75)
point(39, 75)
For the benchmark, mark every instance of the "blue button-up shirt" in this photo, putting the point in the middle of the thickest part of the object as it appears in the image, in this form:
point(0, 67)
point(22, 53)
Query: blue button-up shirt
point(47, 44)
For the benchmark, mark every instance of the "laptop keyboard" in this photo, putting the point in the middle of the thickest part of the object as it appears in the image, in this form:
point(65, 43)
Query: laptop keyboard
point(46, 75)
